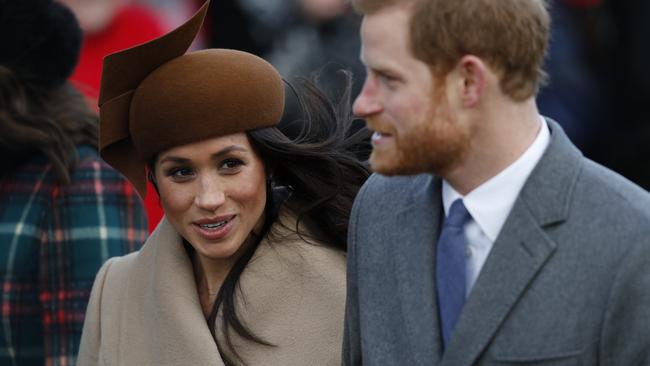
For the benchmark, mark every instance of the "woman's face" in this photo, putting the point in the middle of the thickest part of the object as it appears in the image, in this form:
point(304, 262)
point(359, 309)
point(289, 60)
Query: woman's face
point(213, 192)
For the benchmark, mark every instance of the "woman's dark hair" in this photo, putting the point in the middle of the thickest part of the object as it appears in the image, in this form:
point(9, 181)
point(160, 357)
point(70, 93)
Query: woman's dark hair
point(38, 120)
point(317, 160)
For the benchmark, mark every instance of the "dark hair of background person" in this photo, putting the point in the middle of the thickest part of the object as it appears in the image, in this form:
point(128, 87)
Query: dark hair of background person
point(315, 161)
point(49, 121)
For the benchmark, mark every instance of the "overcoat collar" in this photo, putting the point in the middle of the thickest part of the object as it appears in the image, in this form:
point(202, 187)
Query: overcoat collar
point(414, 255)
point(289, 288)
point(520, 251)
point(171, 315)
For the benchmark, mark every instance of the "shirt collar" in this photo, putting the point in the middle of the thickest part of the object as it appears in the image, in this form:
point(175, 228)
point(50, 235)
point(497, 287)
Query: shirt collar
point(491, 202)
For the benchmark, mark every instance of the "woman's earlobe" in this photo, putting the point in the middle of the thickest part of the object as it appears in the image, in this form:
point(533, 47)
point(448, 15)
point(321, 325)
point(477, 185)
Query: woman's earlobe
point(152, 178)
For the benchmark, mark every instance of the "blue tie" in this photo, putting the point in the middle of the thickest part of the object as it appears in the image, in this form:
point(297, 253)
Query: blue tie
point(450, 268)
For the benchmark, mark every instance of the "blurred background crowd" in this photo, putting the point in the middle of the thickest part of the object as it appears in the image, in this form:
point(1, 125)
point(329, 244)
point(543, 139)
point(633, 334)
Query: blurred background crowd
point(597, 65)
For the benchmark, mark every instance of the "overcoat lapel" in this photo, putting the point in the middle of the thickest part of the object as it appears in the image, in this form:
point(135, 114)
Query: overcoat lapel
point(171, 316)
point(517, 256)
point(520, 251)
point(418, 223)
point(291, 295)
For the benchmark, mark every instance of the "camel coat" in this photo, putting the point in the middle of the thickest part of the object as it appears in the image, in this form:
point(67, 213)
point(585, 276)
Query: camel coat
point(144, 307)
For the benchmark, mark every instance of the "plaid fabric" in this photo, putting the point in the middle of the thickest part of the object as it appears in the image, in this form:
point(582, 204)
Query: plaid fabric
point(53, 240)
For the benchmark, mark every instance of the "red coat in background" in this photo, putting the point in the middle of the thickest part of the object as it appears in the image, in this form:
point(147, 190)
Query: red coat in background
point(131, 26)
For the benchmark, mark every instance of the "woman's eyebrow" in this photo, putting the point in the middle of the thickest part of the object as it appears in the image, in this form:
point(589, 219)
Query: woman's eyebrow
point(228, 150)
point(216, 155)
point(174, 159)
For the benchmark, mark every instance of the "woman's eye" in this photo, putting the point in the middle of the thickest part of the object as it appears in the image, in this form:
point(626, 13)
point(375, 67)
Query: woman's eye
point(231, 164)
point(180, 172)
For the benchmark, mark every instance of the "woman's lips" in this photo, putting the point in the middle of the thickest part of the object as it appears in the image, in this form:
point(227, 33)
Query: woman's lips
point(214, 229)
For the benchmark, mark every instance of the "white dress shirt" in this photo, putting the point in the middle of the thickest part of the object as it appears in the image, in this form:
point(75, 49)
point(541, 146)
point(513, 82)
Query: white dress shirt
point(491, 203)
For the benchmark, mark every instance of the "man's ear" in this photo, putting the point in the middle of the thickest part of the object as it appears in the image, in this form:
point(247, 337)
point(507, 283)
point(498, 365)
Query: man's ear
point(473, 73)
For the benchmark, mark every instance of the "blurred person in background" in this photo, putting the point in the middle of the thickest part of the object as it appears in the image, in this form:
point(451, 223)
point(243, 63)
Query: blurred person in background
point(597, 67)
point(172, 12)
point(575, 93)
point(63, 211)
point(299, 37)
point(110, 26)
point(625, 145)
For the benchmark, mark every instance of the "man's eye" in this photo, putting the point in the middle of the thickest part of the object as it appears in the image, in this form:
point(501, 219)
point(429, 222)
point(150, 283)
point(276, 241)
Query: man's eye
point(387, 80)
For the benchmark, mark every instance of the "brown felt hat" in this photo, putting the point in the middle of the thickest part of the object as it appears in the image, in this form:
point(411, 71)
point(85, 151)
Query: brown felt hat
point(154, 97)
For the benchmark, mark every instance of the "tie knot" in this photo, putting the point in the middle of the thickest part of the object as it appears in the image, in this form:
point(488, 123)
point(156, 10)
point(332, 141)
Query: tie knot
point(458, 214)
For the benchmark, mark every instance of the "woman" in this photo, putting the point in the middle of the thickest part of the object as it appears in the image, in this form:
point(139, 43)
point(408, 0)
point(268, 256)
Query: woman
point(63, 211)
point(248, 267)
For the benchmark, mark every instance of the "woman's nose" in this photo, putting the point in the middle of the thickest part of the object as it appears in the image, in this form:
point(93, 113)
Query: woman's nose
point(210, 196)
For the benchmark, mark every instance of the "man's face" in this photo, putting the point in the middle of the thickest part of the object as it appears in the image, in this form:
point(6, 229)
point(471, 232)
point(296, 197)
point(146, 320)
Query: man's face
point(414, 123)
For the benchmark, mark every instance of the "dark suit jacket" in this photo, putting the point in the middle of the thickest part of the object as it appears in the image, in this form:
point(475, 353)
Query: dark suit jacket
point(566, 283)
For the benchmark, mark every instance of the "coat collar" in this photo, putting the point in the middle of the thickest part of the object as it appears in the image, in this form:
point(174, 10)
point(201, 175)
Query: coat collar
point(162, 314)
point(418, 224)
point(171, 316)
point(520, 251)
point(549, 189)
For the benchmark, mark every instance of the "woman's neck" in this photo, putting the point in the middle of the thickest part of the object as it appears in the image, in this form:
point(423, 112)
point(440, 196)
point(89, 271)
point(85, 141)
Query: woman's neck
point(209, 275)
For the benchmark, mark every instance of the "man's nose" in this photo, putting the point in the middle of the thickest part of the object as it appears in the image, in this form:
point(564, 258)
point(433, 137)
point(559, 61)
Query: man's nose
point(367, 103)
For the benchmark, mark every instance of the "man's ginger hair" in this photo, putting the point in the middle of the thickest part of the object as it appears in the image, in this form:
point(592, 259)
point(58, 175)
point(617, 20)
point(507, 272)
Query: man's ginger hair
point(511, 36)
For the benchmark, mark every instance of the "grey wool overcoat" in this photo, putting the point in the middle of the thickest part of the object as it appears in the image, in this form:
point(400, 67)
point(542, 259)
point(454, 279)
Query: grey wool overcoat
point(567, 281)
point(144, 308)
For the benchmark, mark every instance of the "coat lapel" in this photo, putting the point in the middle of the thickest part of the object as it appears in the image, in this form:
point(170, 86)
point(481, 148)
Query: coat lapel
point(170, 321)
point(517, 256)
point(520, 251)
point(414, 257)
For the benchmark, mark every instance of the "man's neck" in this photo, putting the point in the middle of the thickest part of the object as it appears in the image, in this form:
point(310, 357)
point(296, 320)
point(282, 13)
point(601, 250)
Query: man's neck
point(500, 138)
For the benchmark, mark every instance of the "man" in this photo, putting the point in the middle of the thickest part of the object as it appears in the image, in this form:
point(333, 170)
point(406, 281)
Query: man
point(486, 238)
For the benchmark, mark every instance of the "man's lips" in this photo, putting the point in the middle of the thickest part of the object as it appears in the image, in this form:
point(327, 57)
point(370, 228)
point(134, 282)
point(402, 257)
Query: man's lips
point(380, 137)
